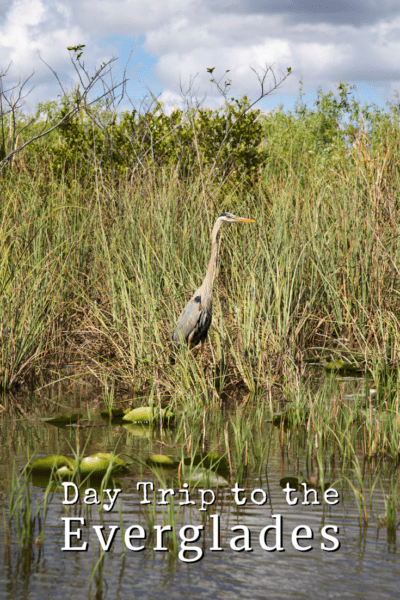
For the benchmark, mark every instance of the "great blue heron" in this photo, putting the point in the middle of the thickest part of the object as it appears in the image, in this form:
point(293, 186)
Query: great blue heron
point(195, 319)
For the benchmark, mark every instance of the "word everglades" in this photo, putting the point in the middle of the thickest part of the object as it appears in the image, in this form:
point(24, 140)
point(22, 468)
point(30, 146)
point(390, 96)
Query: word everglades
point(270, 538)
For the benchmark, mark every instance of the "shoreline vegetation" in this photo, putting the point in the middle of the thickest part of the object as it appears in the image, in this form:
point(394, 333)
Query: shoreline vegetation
point(104, 234)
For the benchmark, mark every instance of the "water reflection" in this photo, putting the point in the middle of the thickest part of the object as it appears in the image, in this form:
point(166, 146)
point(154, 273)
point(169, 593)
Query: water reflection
point(365, 566)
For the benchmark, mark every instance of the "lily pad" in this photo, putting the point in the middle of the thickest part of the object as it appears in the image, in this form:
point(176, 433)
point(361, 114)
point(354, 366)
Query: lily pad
point(340, 365)
point(97, 465)
point(55, 462)
point(147, 414)
point(203, 478)
point(160, 460)
point(115, 413)
point(64, 472)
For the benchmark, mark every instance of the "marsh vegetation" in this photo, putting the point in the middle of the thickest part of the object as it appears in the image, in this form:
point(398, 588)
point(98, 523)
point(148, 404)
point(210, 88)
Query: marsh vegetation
point(104, 235)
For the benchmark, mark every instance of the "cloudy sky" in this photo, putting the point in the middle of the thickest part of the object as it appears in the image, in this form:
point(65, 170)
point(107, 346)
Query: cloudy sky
point(323, 41)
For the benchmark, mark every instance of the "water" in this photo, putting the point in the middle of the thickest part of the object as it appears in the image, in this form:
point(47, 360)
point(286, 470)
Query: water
point(366, 565)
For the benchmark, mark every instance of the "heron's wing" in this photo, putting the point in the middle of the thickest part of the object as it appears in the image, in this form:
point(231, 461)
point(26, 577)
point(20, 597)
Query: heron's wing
point(188, 320)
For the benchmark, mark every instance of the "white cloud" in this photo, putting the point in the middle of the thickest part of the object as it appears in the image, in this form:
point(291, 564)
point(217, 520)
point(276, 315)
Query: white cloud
point(321, 45)
point(129, 17)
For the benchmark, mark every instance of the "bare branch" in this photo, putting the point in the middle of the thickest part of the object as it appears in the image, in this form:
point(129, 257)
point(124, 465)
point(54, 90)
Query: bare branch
point(81, 98)
point(261, 78)
point(40, 135)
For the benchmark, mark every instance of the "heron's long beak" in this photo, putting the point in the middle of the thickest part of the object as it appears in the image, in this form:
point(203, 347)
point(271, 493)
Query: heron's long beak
point(241, 220)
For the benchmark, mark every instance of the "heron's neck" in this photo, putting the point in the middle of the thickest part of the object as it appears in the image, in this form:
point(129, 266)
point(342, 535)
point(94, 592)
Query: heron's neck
point(208, 282)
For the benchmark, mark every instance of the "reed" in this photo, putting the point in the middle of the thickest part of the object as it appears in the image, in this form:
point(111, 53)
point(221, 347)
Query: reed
point(95, 270)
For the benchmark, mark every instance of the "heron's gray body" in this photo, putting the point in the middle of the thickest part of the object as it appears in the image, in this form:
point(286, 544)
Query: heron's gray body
point(195, 319)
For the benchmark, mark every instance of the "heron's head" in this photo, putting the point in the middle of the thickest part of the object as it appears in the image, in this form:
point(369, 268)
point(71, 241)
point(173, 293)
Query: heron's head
point(230, 218)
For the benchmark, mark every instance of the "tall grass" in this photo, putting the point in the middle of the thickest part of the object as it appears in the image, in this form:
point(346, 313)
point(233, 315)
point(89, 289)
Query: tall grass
point(96, 272)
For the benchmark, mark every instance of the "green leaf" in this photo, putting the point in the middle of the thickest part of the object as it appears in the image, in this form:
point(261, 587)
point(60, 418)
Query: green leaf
point(97, 465)
point(161, 460)
point(114, 413)
point(339, 365)
point(202, 478)
point(47, 464)
point(147, 414)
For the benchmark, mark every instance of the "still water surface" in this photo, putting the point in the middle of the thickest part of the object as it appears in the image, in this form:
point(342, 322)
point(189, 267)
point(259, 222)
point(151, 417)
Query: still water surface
point(366, 566)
